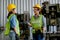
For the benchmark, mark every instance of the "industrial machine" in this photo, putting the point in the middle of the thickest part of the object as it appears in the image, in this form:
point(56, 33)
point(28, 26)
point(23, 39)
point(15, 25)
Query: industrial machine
point(23, 23)
point(53, 24)
point(52, 14)
point(1, 29)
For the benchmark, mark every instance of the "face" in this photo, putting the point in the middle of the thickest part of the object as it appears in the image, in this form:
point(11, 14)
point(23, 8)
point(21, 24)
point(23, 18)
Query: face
point(14, 10)
point(36, 11)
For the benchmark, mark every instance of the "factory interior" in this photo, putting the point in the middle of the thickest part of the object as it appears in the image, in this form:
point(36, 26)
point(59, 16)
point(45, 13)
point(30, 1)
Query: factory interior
point(50, 10)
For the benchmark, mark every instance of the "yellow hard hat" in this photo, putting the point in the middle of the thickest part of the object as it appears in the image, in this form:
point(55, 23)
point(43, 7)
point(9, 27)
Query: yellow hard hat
point(37, 6)
point(10, 7)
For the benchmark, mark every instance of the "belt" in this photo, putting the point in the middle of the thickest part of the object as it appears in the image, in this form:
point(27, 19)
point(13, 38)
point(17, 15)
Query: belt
point(11, 31)
point(38, 30)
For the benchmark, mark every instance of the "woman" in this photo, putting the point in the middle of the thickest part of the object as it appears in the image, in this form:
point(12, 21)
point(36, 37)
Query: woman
point(38, 23)
point(14, 25)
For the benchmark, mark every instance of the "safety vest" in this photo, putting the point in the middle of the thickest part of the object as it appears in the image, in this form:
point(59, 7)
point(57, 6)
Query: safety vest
point(37, 23)
point(7, 26)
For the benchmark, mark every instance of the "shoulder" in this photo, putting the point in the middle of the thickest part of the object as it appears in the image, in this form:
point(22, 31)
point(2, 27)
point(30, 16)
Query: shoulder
point(13, 17)
point(41, 15)
point(32, 17)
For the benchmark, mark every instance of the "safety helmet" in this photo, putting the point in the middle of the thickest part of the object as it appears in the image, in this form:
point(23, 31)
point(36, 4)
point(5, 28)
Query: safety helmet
point(10, 7)
point(37, 6)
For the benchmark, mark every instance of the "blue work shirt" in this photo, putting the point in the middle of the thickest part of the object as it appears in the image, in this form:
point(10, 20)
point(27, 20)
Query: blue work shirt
point(13, 21)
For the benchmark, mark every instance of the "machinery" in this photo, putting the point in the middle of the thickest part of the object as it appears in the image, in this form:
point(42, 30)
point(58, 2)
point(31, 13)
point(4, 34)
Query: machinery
point(23, 23)
point(1, 29)
point(52, 14)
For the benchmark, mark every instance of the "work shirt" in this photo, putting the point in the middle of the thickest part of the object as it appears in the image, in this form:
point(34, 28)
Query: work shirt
point(13, 21)
point(15, 24)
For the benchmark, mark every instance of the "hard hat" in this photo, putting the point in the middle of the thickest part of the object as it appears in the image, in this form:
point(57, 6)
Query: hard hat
point(10, 7)
point(37, 6)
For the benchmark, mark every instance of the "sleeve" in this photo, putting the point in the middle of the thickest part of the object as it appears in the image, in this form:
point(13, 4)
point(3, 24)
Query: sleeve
point(13, 21)
point(44, 21)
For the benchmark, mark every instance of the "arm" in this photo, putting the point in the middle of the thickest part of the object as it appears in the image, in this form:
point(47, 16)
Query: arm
point(30, 30)
point(29, 23)
point(44, 24)
point(13, 23)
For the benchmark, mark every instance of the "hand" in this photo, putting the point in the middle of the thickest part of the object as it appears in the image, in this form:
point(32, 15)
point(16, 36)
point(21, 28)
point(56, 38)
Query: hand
point(44, 29)
point(16, 33)
point(29, 24)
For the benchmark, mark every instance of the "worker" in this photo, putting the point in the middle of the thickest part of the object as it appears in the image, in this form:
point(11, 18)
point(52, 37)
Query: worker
point(14, 24)
point(38, 23)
